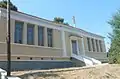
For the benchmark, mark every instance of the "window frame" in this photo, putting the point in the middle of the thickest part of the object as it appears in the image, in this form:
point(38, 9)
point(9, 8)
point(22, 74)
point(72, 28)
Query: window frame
point(88, 44)
point(97, 46)
point(39, 37)
point(50, 37)
point(15, 32)
point(32, 34)
point(100, 43)
point(93, 44)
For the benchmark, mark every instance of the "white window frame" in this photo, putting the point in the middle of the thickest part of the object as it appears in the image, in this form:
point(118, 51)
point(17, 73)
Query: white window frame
point(76, 39)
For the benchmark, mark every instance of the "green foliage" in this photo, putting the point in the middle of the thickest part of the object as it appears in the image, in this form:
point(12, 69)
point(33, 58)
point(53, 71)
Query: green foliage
point(3, 4)
point(60, 20)
point(114, 52)
point(66, 24)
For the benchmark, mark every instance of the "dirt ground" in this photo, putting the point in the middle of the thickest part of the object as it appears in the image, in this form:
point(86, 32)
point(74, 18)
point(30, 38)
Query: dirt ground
point(106, 71)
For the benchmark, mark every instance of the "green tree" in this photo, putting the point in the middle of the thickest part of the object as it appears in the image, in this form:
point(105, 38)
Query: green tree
point(114, 52)
point(60, 20)
point(3, 4)
point(66, 24)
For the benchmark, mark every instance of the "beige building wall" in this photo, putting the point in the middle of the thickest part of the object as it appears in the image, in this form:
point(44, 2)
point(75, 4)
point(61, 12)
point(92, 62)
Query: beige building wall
point(85, 43)
point(80, 46)
point(57, 42)
point(68, 45)
point(102, 42)
point(98, 55)
point(17, 49)
point(3, 29)
point(31, 50)
point(35, 50)
point(12, 30)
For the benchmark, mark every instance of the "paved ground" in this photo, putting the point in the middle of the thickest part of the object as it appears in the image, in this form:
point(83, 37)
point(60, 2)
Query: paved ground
point(96, 72)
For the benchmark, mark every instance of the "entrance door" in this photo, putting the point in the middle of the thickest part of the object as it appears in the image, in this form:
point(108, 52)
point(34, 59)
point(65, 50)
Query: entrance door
point(74, 47)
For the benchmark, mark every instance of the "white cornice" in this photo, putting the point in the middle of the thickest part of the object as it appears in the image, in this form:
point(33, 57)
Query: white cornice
point(39, 21)
point(29, 19)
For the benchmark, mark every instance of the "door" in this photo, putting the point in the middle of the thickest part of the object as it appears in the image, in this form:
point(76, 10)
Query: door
point(74, 47)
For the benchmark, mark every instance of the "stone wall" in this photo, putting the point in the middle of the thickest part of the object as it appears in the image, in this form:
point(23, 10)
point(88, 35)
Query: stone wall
point(34, 65)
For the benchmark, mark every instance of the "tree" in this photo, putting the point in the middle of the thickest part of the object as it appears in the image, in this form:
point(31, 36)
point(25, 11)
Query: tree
point(60, 20)
point(3, 4)
point(114, 52)
point(66, 24)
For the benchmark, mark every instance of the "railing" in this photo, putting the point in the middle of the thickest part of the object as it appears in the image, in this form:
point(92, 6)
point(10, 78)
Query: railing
point(87, 60)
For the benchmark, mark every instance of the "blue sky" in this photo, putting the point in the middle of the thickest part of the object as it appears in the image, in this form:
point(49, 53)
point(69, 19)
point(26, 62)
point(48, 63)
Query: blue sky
point(91, 15)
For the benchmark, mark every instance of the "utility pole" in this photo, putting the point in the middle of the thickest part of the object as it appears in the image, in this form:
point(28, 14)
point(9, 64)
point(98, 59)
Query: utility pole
point(8, 40)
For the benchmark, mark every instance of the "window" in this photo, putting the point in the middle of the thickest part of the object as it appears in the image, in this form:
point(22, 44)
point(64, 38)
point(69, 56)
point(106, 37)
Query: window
point(93, 44)
point(88, 42)
point(100, 46)
point(74, 47)
point(40, 36)
point(30, 34)
point(49, 35)
point(97, 45)
point(18, 32)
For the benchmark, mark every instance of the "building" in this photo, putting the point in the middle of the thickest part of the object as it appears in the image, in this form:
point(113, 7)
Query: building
point(39, 42)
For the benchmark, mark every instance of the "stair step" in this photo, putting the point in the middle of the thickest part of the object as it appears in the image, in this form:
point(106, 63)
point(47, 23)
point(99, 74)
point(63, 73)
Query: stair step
point(87, 60)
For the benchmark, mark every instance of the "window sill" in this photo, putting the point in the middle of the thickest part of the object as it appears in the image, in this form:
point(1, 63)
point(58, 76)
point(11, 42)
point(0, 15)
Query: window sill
point(36, 46)
point(33, 46)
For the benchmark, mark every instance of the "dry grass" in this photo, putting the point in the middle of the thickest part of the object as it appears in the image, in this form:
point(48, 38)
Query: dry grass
point(97, 72)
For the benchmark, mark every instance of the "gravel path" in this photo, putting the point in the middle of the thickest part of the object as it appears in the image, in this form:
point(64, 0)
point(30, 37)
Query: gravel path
point(105, 71)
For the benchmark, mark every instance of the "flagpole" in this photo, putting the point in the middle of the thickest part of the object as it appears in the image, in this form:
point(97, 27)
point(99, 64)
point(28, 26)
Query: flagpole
point(8, 40)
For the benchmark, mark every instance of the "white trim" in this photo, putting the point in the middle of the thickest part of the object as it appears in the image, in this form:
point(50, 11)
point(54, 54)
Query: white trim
point(73, 38)
point(79, 33)
point(0, 14)
point(13, 31)
point(76, 39)
point(29, 19)
point(63, 43)
point(38, 21)
point(36, 35)
point(34, 46)
point(25, 33)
